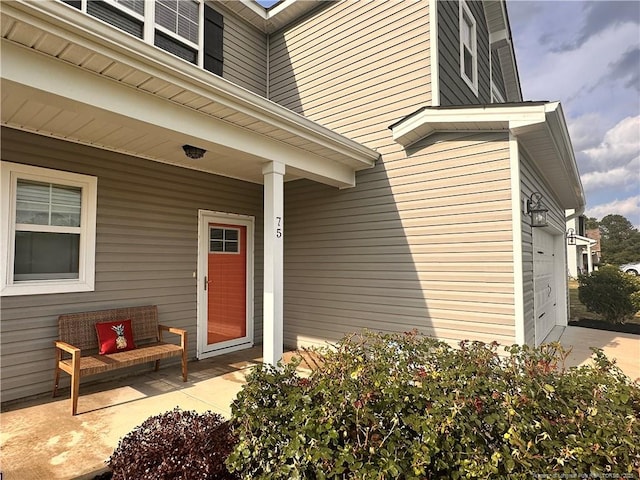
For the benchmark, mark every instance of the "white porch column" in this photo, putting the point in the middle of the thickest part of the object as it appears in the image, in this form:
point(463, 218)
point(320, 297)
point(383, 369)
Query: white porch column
point(272, 347)
point(589, 259)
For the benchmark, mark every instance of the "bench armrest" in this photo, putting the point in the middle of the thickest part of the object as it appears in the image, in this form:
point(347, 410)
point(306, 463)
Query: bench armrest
point(67, 347)
point(178, 331)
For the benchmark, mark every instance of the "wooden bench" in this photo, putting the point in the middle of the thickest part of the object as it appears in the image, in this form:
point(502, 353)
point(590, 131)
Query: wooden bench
point(77, 346)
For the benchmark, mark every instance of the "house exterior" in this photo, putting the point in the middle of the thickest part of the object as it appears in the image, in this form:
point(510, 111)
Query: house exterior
point(583, 250)
point(356, 165)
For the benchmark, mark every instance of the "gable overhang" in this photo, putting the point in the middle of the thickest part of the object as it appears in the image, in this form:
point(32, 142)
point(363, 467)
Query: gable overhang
point(539, 128)
point(67, 75)
point(276, 17)
point(501, 42)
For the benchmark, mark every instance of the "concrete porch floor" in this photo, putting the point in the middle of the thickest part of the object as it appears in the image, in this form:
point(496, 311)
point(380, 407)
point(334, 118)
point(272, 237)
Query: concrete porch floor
point(39, 439)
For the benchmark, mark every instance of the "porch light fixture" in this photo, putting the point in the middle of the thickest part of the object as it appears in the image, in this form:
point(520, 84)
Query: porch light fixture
point(537, 210)
point(571, 237)
point(193, 152)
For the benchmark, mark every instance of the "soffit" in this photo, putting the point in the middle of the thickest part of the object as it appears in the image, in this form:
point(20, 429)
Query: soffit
point(497, 20)
point(274, 18)
point(53, 37)
point(539, 128)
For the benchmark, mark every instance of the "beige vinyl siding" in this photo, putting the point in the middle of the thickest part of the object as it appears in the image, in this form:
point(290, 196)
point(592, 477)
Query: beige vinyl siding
point(422, 242)
point(245, 53)
point(355, 67)
point(532, 181)
point(146, 250)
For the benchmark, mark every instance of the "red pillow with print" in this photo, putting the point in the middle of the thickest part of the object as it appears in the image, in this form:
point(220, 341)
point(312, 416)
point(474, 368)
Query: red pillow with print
point(115, 336)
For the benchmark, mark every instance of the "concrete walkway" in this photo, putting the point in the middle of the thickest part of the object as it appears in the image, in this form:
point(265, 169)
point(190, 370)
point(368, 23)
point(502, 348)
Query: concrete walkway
point(39, 439)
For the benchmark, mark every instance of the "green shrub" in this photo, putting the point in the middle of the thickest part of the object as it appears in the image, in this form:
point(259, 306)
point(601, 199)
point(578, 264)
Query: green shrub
point(610, 293)
point(409, 407)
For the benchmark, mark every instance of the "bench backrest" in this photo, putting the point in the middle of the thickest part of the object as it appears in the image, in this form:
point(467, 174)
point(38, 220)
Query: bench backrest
point(79, 329)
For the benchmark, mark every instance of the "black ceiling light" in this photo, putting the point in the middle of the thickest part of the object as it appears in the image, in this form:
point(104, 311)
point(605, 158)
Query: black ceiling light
point(193, 152)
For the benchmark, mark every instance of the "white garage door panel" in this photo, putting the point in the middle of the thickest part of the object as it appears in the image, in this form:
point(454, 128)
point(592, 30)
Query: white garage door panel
point(545, 303)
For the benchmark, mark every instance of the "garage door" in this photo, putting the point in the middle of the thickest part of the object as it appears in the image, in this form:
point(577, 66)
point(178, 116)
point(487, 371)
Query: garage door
point(545, 303)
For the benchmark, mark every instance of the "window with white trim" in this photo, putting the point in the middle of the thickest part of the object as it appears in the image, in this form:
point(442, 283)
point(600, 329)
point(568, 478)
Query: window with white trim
point(48, 224)
point(468, 47)
point(224, 240)
point(188, 29)
point(496, 96)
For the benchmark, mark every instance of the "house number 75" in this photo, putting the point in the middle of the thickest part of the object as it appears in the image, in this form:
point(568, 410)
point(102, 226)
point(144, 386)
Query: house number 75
point(278, 227)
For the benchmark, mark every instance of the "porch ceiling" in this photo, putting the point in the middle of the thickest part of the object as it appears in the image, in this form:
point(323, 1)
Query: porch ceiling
point(70, 76)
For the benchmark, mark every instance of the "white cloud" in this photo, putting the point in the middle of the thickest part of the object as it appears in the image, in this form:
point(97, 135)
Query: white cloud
point(628, 208)
point(575, 76)
point(617, 178)
point(587, 131)
point(620, 146)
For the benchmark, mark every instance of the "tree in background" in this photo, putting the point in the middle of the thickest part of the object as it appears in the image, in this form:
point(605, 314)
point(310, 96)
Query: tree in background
point(591, 223)
point(620, 242)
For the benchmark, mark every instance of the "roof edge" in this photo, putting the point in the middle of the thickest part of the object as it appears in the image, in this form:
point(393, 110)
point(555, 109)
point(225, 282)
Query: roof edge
point(521, 119)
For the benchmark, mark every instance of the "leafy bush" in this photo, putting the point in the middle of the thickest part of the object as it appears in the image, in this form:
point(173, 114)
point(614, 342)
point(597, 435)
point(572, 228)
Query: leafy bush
point(409, 407)
point(177, 445)
point(610, 293)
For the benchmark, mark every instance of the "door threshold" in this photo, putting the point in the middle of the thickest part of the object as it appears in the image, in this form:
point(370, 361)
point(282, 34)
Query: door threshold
point(223, 350)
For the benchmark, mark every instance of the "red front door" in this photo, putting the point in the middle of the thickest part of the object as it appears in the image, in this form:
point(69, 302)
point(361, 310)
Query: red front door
point(226, 283)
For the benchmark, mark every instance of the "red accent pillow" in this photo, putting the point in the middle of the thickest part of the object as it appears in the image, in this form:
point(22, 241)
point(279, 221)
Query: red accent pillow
point(115, 336)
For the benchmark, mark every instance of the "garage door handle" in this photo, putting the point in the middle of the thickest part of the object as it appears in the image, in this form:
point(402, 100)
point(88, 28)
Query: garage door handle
point(550, 290)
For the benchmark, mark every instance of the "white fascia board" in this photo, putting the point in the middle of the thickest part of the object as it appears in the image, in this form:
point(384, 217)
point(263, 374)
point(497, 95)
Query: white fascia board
point(23, 67)
point(255, 8)
point(429, 121)
point(280, 7)
point(559, 133)
point(62, 20)
point(580, 240)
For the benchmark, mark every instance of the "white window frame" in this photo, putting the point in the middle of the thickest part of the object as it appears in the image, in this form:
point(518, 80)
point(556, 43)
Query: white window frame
point(125, 9)
point(471, 82)
point(150, 26)
point(10, 173)
point(175, 36)
point(223, 252)
point(496, 96)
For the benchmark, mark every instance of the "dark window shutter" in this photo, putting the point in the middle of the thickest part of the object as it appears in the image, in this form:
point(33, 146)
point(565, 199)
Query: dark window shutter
point(213, 30)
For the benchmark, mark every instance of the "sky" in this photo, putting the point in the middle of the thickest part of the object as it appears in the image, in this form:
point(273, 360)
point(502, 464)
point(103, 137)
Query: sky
point(587, 55)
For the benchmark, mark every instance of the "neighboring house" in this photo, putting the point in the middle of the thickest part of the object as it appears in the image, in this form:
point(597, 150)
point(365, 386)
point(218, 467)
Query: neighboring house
point(583, 251)
point(596, 250)
point(362, 169)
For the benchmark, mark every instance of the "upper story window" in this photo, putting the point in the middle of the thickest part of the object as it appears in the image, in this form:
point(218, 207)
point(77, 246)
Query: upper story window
point(496, 96)
point(180, 27)
point(48, 222)
point(468, 47)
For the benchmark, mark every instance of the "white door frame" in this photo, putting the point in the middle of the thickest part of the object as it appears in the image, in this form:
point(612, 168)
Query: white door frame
point(205, 217)
point(559, 277)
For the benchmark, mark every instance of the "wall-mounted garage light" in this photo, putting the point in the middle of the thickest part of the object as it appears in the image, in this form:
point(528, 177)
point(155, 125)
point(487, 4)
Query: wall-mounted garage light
point(193, 152)
point(537, 210)
point(571, 237)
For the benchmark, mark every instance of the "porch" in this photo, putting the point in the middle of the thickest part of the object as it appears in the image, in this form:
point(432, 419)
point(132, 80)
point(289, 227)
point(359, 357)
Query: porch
point(40, 440)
